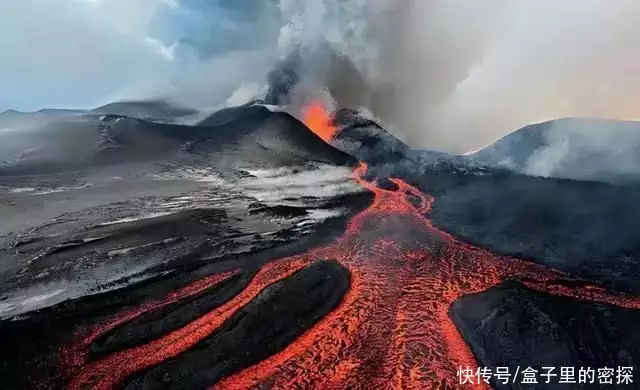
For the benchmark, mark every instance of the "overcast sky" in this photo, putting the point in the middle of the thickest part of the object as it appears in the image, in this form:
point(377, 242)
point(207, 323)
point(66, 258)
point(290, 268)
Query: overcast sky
point(82, 53)
point(78, 53)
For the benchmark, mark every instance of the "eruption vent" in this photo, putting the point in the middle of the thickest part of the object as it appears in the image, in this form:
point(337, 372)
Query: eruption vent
point(318, 119)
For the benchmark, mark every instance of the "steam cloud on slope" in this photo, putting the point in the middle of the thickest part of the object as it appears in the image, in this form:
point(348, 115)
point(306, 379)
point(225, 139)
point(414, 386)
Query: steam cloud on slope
point(441, 74)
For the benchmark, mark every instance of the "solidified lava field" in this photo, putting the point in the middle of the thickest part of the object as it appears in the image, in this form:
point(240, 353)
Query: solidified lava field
point(391, 329)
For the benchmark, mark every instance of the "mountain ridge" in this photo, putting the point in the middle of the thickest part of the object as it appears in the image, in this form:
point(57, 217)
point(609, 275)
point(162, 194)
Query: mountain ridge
point(570, 148)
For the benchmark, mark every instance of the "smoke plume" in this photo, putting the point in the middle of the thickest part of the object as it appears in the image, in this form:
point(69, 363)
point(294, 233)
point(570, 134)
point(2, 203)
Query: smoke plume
point(441, 74)
point(455, 75)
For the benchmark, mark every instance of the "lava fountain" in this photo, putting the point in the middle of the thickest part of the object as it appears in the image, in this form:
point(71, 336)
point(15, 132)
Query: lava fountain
point(316, 117)
point(391, 329)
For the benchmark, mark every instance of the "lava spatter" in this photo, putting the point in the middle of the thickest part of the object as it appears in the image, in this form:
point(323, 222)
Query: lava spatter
point(391, 329)
point(319, 120)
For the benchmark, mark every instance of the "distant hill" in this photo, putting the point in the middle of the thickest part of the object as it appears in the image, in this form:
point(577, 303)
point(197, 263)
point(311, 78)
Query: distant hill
point(573, 148)
point(256, 137)
point(151, 110)
point(53, 112)
point(12, 117)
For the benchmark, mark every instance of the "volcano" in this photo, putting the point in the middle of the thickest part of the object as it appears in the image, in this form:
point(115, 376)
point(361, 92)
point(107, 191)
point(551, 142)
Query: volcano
point(323, 254)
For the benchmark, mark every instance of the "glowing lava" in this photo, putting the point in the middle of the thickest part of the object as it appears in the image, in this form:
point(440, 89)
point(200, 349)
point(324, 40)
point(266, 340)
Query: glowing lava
point(392, 328)
point(318, 119)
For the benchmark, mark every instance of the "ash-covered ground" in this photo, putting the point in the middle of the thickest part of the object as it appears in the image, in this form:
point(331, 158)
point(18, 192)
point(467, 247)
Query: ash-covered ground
point(116, 227)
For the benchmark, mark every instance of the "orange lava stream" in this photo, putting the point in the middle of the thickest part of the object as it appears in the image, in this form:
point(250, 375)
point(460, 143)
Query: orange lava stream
point(76, 355)
point(392, 328)
point(319, 121)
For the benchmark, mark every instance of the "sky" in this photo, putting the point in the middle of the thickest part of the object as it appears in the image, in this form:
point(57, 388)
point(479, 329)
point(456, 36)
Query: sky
point(84, 53)
point(443, 74)
point(79, 53)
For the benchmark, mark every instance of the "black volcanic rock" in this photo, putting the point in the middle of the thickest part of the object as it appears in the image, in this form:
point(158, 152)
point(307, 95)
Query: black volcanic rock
point(157, 323)
point(510, 325)
point(366, 140)
point(387, 155)
point(279, 211)
point(227, 115)
point(270, 322)
point(574, 148)
point(386, 184)
point(256, 135)
point(252, 136)
point(585, 228)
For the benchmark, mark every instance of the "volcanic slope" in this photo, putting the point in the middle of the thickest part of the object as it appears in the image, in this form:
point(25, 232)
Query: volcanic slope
point(254, 137)
point(572, 148)
point(255, 134)
point(366, 140)
point(387, 155)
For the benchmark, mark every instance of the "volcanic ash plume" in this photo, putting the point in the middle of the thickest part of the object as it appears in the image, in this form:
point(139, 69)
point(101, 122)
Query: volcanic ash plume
point(455, 75)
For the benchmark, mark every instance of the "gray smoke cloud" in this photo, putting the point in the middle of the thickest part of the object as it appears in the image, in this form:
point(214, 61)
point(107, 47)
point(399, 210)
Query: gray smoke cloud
point(450, 75)
point(455, 75)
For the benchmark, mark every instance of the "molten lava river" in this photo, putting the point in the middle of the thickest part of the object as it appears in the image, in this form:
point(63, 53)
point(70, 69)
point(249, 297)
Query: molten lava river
point(390, 330)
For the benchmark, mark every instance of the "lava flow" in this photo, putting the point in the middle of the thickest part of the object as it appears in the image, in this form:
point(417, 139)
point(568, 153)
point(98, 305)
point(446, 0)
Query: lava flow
point(391, 329)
